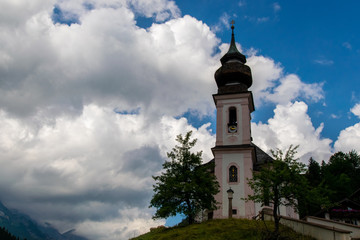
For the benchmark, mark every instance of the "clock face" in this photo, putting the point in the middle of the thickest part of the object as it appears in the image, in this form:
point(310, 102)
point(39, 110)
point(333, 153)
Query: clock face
point(232, 128)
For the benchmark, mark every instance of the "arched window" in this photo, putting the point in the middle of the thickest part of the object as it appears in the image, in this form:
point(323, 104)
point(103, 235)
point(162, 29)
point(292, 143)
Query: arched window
point(233, 174)
point(232, 115)
point(232, 124)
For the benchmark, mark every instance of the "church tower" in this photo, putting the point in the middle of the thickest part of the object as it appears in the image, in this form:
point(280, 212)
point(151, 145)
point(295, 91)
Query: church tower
point(235, 155)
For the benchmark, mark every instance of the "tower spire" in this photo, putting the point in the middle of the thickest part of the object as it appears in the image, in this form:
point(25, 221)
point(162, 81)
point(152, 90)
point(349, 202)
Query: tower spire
point(233, 76)
point(233, 53)
point(233, 48)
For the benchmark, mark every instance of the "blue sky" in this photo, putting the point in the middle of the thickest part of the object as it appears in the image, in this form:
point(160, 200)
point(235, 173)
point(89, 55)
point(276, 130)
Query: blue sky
point(93, 94)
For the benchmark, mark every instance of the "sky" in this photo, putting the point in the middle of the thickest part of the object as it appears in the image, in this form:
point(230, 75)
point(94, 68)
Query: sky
point(93, 94)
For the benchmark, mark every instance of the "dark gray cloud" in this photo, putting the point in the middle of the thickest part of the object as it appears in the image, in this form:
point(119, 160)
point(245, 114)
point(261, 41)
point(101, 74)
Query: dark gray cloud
point(143, 162)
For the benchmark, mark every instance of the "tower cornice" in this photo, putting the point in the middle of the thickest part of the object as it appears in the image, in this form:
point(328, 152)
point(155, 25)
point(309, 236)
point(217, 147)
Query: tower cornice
point(246, 95)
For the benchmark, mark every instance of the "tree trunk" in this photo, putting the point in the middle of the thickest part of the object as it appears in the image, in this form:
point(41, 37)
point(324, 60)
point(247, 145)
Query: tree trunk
point(191, 219)
point(275, 213)
point(190, 214)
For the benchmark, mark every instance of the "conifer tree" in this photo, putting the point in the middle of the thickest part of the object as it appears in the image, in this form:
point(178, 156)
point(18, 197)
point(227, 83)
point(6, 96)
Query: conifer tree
point(185, 186)
point(342, 174)
point(313, 172)
point(6, 235)
point(317, 197)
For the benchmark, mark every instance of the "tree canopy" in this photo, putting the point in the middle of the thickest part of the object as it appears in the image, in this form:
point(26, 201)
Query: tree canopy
point(185, 186)
point(337, 179)
point(279, 182)
point(342, 174)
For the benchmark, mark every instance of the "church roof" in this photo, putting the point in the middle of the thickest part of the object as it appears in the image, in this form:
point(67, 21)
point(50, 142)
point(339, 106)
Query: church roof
point(233, 76)
point(261, 157)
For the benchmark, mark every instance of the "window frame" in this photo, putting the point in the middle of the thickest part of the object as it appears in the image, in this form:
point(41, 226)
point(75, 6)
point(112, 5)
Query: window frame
point(230, 179)
point(232, 118)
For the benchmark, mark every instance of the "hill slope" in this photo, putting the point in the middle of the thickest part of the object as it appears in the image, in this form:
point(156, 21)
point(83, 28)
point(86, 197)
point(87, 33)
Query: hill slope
point(229, 229)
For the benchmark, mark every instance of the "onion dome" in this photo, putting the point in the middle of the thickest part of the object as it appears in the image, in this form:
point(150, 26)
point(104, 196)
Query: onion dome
point(233, 76)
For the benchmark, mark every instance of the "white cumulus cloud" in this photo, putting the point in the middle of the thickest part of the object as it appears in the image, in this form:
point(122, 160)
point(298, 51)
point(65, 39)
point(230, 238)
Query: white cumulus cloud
point(270, 84)
point(291, 87)
point(292, 125)
point(69, 156)
point(348, 139)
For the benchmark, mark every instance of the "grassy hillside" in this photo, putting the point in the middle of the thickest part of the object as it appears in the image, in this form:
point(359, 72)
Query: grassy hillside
point(229, 229)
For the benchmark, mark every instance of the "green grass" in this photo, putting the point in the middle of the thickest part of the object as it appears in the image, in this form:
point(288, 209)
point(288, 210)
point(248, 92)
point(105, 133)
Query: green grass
point(229, 229)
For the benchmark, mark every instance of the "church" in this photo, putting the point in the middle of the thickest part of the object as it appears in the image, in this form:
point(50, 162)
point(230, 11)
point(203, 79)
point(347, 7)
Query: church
point(235, 155)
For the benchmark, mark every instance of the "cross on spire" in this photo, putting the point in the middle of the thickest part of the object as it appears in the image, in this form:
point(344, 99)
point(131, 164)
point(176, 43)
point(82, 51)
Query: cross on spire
point(232, 27)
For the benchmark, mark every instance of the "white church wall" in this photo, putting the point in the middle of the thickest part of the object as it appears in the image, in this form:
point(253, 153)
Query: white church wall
point(242, 160)
point(238, 187)
point(232, 138)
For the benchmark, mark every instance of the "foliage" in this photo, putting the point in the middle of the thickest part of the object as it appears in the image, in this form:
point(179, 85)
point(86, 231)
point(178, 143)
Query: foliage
point(317, 197)
point(313, 172)
point(337, 179)
point(342, 174)
point(280, 182)
point(186, 186)
point(230, 229)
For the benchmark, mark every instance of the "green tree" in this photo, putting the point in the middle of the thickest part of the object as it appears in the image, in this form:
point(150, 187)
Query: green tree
point(342, 174)
point(185, 186)
point(279, 182)
point(313, 172)
point(331, 182)
point(317, 194)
